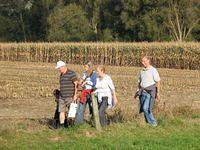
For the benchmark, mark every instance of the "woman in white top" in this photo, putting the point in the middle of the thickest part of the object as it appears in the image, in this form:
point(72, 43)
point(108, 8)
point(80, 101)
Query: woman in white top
point(105, 91)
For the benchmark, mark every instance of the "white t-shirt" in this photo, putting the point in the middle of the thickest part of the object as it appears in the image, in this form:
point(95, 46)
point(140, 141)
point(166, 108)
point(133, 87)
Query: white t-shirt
point(104, 87)
point(148, 77)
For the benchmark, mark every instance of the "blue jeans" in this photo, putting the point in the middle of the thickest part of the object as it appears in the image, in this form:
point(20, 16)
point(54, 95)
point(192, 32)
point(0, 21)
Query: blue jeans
point(81, 110)
point(146, 103)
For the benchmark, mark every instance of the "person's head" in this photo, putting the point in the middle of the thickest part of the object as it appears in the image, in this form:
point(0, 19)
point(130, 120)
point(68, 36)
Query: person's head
point(100, 70)
point(146, 61)
point(88, 66)
point(61, 66)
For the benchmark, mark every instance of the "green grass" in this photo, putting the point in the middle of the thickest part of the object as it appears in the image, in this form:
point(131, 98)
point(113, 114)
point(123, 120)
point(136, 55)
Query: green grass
point(178, 133)
point(195, 116)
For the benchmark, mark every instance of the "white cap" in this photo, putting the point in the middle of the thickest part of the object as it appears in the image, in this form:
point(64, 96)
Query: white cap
point(59, 64)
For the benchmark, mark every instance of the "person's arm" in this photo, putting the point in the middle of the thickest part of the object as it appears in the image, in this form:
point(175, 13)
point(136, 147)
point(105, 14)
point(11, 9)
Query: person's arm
point(156, 77)
point(158, 90)
point(81, 82)
point(136, 91)
point(114, 98)
point(138, 87)
point(75, 90)
point(75, 81)
point(112, 88)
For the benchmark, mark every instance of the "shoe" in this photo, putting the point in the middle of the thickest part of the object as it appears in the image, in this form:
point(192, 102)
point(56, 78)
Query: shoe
point(154, 125)
point(62, 126)
point(55, 124)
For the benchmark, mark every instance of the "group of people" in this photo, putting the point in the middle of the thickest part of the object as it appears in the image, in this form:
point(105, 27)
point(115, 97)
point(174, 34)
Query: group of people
point(101, 84)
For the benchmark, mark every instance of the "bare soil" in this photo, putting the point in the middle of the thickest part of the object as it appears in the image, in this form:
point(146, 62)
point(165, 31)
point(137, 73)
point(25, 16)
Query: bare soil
point(26, 88)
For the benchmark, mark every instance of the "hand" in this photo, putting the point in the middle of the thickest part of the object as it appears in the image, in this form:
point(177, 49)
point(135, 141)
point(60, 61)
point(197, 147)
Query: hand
point(87, 82)
point(83, 84)
point(75, 97)
point(135, 96)
point(115, 102)
point(158, 96)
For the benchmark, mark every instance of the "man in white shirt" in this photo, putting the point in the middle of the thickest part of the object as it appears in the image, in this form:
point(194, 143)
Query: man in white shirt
point(148, 89)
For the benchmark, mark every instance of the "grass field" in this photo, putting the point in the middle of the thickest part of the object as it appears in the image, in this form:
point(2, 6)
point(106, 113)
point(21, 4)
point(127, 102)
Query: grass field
point(27, 104)
point(169, 135)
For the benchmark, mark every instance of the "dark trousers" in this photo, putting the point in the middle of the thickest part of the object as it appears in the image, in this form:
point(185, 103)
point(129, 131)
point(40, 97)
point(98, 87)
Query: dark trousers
point(102, 111)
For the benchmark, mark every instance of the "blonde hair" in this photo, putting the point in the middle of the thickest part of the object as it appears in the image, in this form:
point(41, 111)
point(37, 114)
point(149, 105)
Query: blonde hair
point(147, 57)
point(102, 68)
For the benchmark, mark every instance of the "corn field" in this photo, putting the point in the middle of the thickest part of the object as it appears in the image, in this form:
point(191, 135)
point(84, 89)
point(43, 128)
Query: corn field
point(164, 55)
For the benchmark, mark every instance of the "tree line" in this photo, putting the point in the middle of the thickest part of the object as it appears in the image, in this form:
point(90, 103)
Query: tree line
point(99, 20)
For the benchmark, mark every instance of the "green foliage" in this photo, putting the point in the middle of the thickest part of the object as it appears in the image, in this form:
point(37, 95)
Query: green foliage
point(4, 25)
point(68, 24)
point(106, 35)
point(25, 20)
point(181, 18)
point(196, 33)
point(100, 20)
point(143, 19)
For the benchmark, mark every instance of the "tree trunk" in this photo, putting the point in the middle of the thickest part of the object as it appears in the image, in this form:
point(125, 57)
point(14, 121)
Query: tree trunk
point(23, 26)
point(45, 15)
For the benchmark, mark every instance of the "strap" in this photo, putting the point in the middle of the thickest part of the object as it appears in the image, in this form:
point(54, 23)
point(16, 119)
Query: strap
point(88, 76)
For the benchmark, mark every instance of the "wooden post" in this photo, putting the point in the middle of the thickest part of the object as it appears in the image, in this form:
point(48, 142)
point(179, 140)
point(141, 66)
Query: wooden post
point(95, 112)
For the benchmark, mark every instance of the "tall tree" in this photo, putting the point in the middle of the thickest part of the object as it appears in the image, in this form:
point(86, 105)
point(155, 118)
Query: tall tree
point(142, 19)
point(182, 16)
point(104, 20)
point(68, 23)
point(93, 12)
point(15, 11)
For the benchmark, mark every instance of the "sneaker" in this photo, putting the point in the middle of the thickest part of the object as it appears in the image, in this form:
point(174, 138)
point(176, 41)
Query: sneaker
point(154, 125)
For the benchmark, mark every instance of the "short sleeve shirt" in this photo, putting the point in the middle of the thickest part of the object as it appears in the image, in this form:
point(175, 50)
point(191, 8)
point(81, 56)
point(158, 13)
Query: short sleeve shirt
point(148, 77)
point(67, 84)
